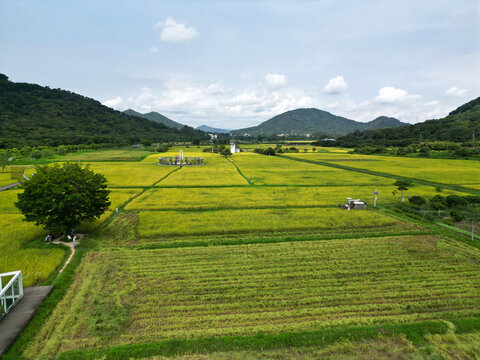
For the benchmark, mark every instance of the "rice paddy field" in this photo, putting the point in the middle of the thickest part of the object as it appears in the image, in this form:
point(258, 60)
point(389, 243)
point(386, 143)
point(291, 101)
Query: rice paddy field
point(250, 257)
point(458, 172)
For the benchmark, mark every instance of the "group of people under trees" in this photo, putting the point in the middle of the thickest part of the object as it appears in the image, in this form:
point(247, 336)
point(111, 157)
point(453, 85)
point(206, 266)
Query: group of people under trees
point(72, 237)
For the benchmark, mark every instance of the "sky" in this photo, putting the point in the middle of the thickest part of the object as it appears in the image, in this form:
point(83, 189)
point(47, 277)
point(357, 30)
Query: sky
point(235, 64)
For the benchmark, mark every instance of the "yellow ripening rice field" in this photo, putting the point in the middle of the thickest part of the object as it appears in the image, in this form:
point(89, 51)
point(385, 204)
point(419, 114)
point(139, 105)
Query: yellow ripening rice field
point(460, 172)
point(216, 171)
point(262, 197)
point(125, 174)
point(272, 170)
point(167, 223)
point(6, 179)
point(118, 197)
point(36, 264)
point(131, 296)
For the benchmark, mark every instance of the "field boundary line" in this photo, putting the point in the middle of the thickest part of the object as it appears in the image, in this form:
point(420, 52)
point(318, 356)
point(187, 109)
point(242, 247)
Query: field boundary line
point(239, 171)
point(414, 332)
point(387, 175)
point(271, 240)
point(233, 208)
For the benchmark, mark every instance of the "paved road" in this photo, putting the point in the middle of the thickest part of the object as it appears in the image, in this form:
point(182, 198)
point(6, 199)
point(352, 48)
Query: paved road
point(6, 187)
point(12, 324)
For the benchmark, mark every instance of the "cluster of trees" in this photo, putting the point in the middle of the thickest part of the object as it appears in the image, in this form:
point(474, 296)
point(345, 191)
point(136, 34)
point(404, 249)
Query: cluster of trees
point(32, 115)
point(221, 149)
point(424, 149)
point(459, 208)
point(39, 152)
point(268, 151)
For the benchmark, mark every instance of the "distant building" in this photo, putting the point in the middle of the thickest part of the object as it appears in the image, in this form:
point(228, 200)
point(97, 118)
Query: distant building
point(327, 139)
point(213, 136)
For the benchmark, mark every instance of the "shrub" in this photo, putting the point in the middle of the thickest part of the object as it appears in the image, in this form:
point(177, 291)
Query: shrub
point(455, 201)
point(417, 200)
point(269, 151)
point(36, 154)
point(225, 152)
point(163, 148)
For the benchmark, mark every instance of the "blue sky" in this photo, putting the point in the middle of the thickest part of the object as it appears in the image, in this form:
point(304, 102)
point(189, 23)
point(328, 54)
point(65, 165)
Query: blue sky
point(235, 64)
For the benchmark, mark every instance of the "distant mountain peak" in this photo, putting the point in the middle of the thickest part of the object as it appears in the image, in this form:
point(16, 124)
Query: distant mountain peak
point(210, 129)
point(305, 121)
point(155, 116)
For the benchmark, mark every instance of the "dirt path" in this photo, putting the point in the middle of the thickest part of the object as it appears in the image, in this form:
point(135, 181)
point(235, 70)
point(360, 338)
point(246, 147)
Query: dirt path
point(72, 250)
point(6, 187)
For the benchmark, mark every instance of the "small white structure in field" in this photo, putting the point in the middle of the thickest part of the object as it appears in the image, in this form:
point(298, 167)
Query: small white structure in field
point(233, 147)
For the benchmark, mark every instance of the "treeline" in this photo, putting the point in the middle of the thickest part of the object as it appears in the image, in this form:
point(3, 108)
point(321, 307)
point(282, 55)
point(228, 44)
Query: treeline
point(32, 115)
point(39, 152)
point(425, 149)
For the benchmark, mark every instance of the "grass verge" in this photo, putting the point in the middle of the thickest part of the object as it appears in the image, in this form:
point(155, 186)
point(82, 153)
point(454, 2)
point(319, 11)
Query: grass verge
point(414, 332)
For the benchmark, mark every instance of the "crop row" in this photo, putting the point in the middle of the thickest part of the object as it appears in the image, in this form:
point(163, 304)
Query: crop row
point(256, 197)
point(254, 220)
point(243, 289)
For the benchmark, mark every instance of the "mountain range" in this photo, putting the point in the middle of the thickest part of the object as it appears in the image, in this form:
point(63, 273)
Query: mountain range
point(311, 121)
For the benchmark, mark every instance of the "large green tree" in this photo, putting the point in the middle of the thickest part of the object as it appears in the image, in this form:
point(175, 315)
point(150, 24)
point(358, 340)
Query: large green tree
point(61, 197)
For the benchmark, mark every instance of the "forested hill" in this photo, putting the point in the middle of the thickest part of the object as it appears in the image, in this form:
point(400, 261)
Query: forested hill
point(35, 115)
point(155, 116)
point(459, 126)
point(314, 121)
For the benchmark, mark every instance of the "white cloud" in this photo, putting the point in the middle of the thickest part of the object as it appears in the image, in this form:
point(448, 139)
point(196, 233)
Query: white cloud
point(217, 104)
point(335, 85)
point(456, 92)
point(390, 95)
point(152, 49)
point(275, 80)
point(175, 32)
point(192, 103)
point(116, 102)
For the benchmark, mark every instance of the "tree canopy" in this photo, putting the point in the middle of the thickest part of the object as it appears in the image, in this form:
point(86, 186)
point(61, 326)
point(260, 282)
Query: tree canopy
point(61, 197)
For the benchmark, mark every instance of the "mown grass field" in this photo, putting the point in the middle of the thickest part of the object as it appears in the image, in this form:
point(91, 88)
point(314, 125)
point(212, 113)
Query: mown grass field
point(239, 290)
point(227, 259)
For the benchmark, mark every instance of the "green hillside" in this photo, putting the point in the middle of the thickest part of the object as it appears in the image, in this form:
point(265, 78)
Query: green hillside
point(34, 115)
point(459, 126)
point(155, 116)
point(310, 121)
